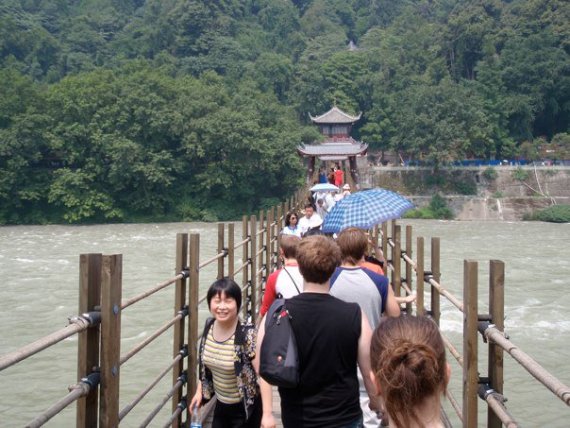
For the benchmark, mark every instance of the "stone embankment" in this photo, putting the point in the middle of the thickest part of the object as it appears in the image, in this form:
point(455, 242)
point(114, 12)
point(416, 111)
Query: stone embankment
point(477, 193)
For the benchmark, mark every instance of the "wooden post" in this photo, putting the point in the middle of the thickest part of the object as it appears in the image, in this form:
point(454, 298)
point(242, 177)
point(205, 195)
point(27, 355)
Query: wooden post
point(436, 273)
point(268, 250)
point(179, 302)
point(193, 298)
point(420, 305)
point(470, 320)
point(231, 250)
point(245, 259)
point(409, 270)
point(497, 312)
point(253, 268)
point(278, 228)
point(397, 262)
point(374, 239)
point(88, 340)
point(220, 249)
point(111, 276)
point(385, 245)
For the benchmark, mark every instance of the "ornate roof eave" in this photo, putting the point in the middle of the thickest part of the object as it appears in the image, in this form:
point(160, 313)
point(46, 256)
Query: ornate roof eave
point(335, 115)
point(319, 150)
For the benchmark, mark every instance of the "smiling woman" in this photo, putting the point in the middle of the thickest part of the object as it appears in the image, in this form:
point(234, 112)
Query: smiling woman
point(226, 350)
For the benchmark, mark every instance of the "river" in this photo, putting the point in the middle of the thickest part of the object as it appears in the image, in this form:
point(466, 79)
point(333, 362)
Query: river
point(39, 271)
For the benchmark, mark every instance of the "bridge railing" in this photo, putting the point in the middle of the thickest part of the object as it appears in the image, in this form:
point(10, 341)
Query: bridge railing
point(98, 325)
point(490, 325)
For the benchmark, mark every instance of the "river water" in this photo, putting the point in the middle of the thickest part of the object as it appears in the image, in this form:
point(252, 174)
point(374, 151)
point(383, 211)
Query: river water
point(39, 271)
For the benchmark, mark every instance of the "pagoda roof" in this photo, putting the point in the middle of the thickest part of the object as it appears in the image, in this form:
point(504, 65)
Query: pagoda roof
point(335, 115)
point(347, 147)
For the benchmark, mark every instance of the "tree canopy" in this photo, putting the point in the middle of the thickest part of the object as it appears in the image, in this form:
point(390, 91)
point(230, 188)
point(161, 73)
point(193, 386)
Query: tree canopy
point(133, 110)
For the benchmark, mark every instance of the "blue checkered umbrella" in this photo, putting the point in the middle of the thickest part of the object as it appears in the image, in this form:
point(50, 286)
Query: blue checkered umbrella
point(365, 209)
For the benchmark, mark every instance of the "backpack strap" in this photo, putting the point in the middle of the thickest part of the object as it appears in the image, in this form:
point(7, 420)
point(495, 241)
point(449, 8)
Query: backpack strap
point(294, 283)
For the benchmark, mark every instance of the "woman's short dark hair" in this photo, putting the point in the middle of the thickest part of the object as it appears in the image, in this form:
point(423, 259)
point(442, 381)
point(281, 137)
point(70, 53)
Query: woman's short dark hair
point(227, 286)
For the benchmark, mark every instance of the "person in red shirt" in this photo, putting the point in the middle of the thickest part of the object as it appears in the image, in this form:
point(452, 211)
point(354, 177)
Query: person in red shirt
point(338, 177)
point(287, 281)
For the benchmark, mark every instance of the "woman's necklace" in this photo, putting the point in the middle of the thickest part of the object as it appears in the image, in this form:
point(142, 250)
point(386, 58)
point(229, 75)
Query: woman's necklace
point(226, 333)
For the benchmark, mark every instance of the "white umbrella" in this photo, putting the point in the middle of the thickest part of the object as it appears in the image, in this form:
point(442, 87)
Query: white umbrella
point(324, 187)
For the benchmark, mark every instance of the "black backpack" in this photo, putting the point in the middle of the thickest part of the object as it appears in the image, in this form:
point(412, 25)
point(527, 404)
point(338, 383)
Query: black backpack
point(279, 359)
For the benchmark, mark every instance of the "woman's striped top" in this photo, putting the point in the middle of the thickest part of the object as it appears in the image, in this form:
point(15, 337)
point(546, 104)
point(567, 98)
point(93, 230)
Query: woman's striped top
point(219, 358)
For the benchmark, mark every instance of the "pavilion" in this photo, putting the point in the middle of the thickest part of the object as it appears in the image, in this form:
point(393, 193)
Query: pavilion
point(338, 145)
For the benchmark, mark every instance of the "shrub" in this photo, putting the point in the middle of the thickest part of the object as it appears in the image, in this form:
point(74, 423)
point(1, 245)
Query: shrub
point(490, 173)
point(465, 187)
point(520, 174)
point(553, 214)
point(437, 209)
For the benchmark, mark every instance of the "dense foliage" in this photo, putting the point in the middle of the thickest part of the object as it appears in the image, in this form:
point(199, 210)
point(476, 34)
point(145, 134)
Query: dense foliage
point(553, 214)
point(436, 209)
point(126, 110)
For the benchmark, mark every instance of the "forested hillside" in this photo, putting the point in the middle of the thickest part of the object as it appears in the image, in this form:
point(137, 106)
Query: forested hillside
point(134, 110)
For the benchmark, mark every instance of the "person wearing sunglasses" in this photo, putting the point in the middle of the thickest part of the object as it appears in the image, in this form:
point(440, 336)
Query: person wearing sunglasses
point(292, 225)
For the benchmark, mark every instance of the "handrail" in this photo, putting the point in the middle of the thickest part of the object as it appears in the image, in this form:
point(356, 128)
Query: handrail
point(145, 391)
point(76, 391)
point(213, 259)
point(181, 314)
point(126, 303)
point(536, 370)
point(76, 325)
point(181, 381)
point(458, 304)
point(239, 244)
point(496, 402)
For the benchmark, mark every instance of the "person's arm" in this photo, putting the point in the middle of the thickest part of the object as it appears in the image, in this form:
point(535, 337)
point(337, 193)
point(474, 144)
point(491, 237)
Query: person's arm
point(267, 419)
point(197, 399)
point(269, 294)
point(392, 308)
point(364, 361)
point(407, 299)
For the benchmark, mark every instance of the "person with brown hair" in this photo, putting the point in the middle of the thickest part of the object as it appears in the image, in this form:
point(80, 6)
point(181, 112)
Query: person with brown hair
point(287, 281)
point(332, 337)
point(371, 291)
point(410, 371)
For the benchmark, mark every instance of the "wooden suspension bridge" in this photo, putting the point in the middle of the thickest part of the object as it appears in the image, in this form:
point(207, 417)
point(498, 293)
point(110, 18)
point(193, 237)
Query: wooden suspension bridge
point(249, 259)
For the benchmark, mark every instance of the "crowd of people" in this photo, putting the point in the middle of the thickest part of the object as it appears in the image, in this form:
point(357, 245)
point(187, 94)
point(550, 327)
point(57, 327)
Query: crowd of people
point(362, 363)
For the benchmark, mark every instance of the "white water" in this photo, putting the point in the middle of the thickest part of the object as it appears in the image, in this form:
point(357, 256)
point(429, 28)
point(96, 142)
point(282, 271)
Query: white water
point(39, 271)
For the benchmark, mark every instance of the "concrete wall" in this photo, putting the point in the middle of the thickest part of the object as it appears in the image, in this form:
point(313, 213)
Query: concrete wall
point(508, 196)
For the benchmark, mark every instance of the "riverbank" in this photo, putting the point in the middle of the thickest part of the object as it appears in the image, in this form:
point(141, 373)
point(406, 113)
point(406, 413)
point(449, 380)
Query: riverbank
point(478, 193)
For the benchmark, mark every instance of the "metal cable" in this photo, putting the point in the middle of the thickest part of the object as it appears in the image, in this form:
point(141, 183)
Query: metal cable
point(212, 259)
point(157, 409)
point(453, 350)
point(179, 409)
point(455, 405)
point(77, 391)
point(145, 391)
point(157, 333)
point(76, 325)
point(158, 287)
point(536, 370)
point(239, 244)
point(496, 402)
point(457, 303)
